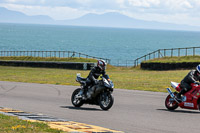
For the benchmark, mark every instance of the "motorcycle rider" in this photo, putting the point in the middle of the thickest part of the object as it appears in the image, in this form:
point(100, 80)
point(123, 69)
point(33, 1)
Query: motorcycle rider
point(192, 77)
point(92, 78)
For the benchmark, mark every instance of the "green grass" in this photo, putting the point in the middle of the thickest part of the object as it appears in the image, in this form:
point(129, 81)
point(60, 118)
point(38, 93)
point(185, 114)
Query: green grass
point(11, 124)
point(137, 79)
point(29, 58)
point(124, 78)
point(175, 59)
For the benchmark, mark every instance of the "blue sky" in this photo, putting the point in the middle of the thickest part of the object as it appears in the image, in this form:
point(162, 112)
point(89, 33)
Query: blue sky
point(173, 11)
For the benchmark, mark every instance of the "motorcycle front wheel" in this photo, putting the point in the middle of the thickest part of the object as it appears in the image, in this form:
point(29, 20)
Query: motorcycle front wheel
point(171, 104)
point(77, 102)
point(106, 100)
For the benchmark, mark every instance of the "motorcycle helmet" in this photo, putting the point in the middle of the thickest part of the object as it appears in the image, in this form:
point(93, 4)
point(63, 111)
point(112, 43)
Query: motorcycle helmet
point(198, 68)
point(101, 64)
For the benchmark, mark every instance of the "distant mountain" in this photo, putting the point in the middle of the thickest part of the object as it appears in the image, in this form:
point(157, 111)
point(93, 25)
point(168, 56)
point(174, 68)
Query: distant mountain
point(8, 16)
point(111, 19)
point(118, 20)
point(105, 20)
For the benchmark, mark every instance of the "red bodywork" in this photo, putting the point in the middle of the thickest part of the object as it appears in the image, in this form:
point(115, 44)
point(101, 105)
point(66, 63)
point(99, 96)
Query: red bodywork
point(192, 97)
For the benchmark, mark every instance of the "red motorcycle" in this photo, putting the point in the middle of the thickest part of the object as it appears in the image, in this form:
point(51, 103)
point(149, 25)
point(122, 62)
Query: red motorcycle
point(190, 100)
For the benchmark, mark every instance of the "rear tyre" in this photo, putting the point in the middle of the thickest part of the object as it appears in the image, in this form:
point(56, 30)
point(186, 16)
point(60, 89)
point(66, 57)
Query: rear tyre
point(171, 104)
point(106, 100)
point(77, 102)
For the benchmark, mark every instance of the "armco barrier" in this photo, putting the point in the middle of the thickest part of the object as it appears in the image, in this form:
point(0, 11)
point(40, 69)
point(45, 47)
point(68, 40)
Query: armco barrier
point(169, 66)
point(45, 64)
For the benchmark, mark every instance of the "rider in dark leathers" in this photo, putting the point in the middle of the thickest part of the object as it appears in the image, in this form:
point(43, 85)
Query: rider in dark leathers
point(192, 77)
point(93, 76)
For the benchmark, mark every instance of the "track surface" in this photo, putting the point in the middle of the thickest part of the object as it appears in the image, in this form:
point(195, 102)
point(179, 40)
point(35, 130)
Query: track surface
point(132, 112)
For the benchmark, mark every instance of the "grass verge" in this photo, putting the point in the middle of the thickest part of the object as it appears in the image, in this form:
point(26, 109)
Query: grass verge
point(124, 78)
point(175, 59)
point(29, 58)
point(11, 124)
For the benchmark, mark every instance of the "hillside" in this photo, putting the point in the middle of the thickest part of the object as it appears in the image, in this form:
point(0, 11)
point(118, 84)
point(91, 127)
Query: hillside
point(110, 19)
point(8, 16)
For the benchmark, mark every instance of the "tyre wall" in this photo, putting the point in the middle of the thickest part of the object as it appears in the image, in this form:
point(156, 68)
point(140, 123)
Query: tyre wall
point(169, 66)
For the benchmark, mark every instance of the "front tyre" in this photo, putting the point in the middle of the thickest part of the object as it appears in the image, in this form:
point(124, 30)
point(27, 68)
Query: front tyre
point(77, 102)
point(106, 100)
point(170, 103)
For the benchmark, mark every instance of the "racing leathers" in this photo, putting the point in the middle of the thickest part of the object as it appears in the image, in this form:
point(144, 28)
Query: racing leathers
point(92, 79)
point(191, 77)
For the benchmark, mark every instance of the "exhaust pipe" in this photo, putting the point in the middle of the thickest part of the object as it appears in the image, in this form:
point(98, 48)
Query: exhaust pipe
point(171, 93)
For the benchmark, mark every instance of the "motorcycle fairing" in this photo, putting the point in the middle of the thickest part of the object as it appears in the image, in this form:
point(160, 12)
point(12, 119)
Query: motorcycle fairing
point(191, 97)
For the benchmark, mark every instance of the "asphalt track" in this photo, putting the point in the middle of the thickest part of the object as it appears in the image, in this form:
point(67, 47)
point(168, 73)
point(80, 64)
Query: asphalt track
point(132, 112)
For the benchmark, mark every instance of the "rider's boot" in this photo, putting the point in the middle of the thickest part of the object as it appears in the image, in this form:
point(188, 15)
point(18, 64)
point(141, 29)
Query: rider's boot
point(178, 96)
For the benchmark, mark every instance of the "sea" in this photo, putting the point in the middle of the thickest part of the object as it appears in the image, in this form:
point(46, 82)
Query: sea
point(116, 44)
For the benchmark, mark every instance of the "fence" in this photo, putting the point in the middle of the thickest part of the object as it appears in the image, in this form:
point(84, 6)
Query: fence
point(192, 51)
point(123, 63)
point(58, 54)
point(63, 54)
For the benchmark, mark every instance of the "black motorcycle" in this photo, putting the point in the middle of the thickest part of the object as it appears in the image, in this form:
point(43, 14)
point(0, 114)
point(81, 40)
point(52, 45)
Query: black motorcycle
point(100, 94)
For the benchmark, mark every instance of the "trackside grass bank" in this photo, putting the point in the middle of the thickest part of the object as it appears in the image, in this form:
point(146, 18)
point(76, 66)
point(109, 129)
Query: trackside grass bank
point(11, 124)
point(29, 58)
point(124, 78)
point(174, 59)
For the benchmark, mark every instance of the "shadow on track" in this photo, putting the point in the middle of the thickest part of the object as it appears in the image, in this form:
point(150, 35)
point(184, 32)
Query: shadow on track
point(180, 111)
point(81, 108)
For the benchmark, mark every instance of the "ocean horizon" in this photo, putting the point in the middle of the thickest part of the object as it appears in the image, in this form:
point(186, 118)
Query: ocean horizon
point(117, 44)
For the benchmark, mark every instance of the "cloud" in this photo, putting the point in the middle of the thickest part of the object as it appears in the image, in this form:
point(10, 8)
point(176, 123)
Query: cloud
point(57, 13)
point(143, 3)
point(23, 2)
point(168, 10)
point(99, 5)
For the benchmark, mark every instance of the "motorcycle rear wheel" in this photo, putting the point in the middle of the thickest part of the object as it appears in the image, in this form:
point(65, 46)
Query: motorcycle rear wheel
point(77, 102)
point(170, 105)
point(106, 101)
